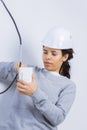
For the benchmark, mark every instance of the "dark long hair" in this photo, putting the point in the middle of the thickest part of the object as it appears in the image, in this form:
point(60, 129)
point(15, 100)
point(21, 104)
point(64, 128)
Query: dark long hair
point(65, 68)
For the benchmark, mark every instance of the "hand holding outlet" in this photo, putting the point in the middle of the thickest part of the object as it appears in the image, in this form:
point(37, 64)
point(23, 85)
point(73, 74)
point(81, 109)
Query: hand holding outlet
point(27, 82)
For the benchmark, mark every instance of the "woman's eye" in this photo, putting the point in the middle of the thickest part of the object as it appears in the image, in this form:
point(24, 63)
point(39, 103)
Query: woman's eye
point(54, 54)
point(45, 52)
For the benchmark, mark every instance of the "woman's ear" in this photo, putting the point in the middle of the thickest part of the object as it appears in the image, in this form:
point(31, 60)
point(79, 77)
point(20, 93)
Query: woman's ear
point(65, 57)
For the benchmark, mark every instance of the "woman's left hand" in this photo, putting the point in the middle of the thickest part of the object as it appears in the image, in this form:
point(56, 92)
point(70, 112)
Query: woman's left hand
point(27, 88)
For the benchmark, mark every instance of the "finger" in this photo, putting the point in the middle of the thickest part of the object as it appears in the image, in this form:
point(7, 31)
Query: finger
point(21, 90)
point(19, 85)
point(33, 77)
point(17, 67)
point(23, 65)
point(22, 82)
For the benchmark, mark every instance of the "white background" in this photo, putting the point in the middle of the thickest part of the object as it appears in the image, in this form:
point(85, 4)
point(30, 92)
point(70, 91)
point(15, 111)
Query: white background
point(34, 18)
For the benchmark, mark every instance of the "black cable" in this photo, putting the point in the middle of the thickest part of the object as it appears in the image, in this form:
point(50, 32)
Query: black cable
point(20, 39)
point(11, 82)
point(13, 21)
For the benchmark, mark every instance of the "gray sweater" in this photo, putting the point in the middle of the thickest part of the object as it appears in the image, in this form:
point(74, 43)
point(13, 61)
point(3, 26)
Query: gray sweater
point(45, 109)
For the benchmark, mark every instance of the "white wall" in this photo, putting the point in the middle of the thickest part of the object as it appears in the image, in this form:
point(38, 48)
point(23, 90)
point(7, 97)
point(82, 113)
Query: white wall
point(34, 18)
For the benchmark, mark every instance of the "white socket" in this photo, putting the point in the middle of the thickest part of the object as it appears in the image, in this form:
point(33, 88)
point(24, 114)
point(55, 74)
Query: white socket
point(25, 73)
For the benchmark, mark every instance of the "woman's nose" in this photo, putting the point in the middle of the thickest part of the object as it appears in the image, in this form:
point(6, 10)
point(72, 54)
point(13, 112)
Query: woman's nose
point(48, 56)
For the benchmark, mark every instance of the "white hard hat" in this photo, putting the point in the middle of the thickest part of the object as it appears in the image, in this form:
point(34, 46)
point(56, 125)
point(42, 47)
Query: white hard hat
point(58, 38)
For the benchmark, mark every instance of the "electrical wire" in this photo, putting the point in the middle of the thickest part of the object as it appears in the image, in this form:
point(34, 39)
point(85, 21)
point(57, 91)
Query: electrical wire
point(20, 41)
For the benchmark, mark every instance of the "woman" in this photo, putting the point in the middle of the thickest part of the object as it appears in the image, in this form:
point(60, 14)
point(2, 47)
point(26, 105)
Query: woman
point(43, 103)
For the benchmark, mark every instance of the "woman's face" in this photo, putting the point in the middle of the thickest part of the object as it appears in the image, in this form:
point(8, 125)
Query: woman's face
point(53, 59)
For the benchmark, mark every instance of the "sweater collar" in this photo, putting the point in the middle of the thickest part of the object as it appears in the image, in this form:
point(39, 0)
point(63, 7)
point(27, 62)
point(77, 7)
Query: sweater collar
point(52, 72)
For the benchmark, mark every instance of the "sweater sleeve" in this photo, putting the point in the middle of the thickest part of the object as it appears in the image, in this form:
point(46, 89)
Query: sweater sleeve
point(55, 113)
point(7, 71)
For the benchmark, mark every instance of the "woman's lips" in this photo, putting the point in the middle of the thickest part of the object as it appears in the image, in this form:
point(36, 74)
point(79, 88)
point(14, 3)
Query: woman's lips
point(47, 63)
